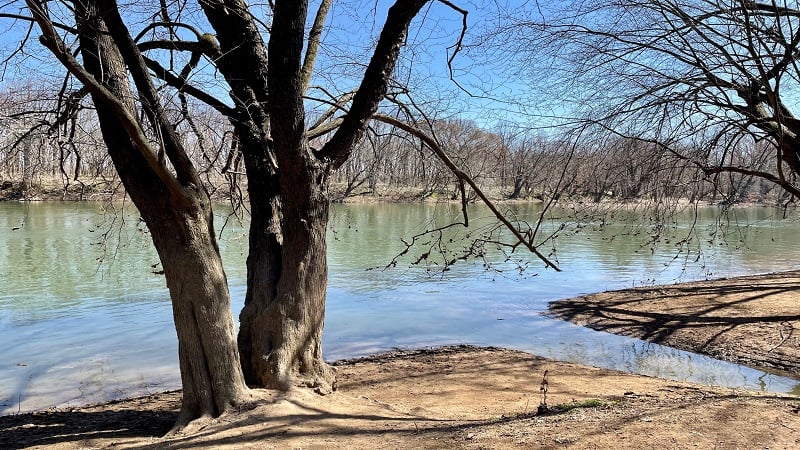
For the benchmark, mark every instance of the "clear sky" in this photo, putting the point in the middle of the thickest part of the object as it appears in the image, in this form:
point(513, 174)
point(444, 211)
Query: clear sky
point(484, 90)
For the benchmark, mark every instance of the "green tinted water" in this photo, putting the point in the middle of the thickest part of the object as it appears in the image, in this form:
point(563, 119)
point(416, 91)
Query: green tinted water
point(83, 316)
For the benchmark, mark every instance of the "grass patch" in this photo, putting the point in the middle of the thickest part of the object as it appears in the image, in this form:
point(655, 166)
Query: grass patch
point(566, 407)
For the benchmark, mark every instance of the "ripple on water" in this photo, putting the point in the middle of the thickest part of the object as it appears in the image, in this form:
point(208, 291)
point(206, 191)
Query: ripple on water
point(76, 330)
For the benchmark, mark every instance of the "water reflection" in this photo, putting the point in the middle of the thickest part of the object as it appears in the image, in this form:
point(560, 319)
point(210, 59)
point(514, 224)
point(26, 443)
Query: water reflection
point(84, 318)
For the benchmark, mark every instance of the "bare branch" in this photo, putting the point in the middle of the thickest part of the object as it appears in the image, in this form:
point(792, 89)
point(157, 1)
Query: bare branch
point(374, 84)
point(181, 84)
point(51, 40)
point(314, 37)
point(464, 178)
point(456, 48)
point(170, 26)
point(185, 170)
point(56, 25)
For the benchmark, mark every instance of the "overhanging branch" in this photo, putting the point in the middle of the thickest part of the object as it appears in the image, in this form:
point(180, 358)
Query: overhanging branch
point(375, 82)
point(52, 42)
point(464, 178)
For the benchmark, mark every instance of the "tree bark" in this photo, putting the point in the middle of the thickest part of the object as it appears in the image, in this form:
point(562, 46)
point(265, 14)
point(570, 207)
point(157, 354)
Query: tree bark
point(264, 256)
point(291, 353)
point(280, 338)
point(281, 323)
point(183, 234)
point(209, 360)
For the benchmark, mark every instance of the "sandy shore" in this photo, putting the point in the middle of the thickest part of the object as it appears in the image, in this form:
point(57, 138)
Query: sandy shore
point(753, 320)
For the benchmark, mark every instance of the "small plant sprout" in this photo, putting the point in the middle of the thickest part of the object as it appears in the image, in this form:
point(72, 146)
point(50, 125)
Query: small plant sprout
point(543, 387)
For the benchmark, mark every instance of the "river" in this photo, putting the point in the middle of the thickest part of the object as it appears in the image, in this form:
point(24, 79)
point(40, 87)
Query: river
point(84, 317)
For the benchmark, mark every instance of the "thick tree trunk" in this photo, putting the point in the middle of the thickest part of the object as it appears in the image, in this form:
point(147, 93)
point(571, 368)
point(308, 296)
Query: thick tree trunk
point(209, 361)
point(280, 334)
point(183, 234)
point(289, 350)
point(291, 346)
point(264, 255)
point(281, 324)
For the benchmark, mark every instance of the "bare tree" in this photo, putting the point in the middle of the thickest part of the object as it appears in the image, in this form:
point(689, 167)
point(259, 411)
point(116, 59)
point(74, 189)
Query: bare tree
point(281, 323)
point(288, 163)
point(164, 185)
point(706, 81)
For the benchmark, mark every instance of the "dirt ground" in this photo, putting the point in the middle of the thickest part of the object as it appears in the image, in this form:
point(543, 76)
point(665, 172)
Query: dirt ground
point(489, 398)
point(753, 320)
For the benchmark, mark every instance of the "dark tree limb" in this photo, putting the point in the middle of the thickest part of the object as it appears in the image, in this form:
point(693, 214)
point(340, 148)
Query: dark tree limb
point(184, 169)
point(182, 85)
point(373, 86)
point(51, 40)
point(284, 67)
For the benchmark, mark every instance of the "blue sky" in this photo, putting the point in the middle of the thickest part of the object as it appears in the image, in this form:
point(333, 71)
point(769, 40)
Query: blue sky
point(484, 92)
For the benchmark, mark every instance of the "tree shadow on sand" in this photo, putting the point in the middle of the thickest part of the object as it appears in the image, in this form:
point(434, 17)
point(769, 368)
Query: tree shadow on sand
point(62, 426)
point(738, 319)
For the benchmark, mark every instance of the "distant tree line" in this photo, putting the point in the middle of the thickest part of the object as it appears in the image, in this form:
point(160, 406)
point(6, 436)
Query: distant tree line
point(45, 144)
point(42, 145)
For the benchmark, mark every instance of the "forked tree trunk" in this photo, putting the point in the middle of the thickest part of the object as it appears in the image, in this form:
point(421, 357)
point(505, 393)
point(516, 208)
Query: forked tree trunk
point(280, 334)
point(288, 350)
point(281, 324)
point(183, 234)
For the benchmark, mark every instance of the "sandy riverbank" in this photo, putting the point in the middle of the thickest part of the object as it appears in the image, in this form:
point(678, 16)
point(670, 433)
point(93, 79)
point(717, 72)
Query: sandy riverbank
point(752, 320)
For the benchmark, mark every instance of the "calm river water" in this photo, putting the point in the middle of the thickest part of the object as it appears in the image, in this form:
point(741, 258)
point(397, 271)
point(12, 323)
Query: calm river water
point(83, 317)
